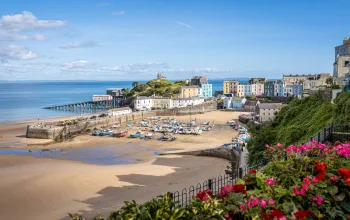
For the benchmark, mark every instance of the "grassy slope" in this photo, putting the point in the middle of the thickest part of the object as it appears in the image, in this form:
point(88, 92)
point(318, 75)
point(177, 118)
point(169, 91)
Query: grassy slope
point(296, 122)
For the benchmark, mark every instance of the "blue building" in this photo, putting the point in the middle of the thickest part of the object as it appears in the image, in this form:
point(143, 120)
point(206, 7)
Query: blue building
point(233, 103)
point(279, 90)
point(297, 90)
point(248, 90)
point(207, 90)
point(269, 89)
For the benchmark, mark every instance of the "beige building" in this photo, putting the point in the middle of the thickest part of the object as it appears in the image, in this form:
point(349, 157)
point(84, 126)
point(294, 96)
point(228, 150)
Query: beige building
point(315, 81)
point(266, 111)
point(162, 102)
point(240, 90)
point(289, 80)
point(341, 70)
point(190, 91)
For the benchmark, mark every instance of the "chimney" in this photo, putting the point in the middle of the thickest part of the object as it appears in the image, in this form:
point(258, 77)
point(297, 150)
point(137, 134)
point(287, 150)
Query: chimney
point(346, 40)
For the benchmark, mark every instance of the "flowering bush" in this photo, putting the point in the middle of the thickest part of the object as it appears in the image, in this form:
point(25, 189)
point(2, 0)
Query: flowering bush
point(313, 183)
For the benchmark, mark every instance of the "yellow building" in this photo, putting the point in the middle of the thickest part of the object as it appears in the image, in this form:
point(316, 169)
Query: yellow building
point(227, 87)
point(190, 91)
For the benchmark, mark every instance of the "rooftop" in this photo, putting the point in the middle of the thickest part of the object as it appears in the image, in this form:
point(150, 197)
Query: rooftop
point(188, 87)
point(270, 105)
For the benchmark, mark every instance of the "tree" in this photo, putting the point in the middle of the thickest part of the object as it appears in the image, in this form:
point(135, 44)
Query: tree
point(329, 81)
point(134, 84)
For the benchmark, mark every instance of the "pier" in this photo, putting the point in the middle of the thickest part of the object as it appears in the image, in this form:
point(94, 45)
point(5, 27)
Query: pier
point(107, 104)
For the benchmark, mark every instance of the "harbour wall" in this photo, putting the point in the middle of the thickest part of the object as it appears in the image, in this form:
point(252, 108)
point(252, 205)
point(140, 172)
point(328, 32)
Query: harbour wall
point(219, 152)
point(196, 109)
point(51, 130)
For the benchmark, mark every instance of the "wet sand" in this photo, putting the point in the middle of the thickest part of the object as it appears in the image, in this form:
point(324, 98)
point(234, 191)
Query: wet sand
point(41, 188)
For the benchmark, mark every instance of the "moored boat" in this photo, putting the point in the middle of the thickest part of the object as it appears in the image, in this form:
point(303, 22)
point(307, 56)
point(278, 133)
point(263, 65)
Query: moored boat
point(121, 133)
point(137, 134)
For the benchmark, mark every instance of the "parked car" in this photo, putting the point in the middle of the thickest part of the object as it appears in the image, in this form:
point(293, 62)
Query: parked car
point(102, 115)
point(93, 117)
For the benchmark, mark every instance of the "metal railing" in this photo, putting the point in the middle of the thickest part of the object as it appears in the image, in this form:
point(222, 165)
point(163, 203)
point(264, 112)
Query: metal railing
point(187, 195)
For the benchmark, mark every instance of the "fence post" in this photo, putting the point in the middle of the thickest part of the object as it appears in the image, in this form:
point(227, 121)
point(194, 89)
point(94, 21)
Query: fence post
point(240, 172)
point(210, 184)
point(324, 135)
point(318, 137)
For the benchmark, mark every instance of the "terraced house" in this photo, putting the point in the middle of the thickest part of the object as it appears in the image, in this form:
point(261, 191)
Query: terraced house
point(190, 91)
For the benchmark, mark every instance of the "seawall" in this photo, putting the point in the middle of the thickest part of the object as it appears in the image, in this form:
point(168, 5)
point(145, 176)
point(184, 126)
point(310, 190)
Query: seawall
point(196, 109)
point(52, 130)
point(219, 152)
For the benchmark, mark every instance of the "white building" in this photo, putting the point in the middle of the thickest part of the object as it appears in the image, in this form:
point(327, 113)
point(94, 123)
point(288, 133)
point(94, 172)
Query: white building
point(119, 111)
point(183, 102)
point(240, 90)
point(287, 91)
point(266, 111)
point(143, 103)
point(96, 98)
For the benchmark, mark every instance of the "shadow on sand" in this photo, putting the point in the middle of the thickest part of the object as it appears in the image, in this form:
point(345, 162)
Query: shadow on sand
point(148, 186)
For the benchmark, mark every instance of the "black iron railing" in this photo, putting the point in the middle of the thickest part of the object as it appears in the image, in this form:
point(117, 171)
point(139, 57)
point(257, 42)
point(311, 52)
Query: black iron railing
point(186, 196)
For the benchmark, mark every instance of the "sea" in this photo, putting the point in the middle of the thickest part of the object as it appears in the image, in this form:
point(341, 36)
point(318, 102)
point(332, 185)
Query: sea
point(25, 100)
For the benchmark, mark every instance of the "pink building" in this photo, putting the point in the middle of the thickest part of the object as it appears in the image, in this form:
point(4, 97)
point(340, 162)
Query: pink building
point(258, 89)
point(234, 87)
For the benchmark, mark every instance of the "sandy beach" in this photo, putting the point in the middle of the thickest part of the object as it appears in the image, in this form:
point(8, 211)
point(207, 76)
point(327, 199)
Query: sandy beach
point(47, 188)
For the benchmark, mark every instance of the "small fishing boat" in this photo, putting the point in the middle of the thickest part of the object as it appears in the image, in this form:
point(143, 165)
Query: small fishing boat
point(122, 134)
point(96, 132)
point(116, 126)
point(129, 124)
point(137, 134)
point(149, 136)
point(197, 132)
point(106, 132)
point(168, 137)
point(207, 128)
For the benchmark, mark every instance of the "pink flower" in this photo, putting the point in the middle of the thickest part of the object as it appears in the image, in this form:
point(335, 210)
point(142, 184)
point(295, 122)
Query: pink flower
point(271, 202)
point(296, 190)
point(263, 203)
point(307, 181)
point(255, 202)
point(270, 181)
point(267, 146)
point(250, 204)
point(318, 199)
point(242, 206)
point(225, 190)
point(279, 145)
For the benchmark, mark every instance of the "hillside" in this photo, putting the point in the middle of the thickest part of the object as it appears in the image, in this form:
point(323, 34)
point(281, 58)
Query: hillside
point(156, 87)
point(296, 122)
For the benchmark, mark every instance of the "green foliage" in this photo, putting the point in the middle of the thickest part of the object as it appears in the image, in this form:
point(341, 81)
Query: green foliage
point(157, 87)
point(335, 86)
point(297, 122)
point(342, 108)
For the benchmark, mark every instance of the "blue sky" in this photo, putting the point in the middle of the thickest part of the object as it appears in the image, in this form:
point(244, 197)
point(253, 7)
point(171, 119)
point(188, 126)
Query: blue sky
point(127, 40)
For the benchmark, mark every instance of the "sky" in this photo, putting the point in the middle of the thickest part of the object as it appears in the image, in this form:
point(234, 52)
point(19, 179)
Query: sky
point(135, 39)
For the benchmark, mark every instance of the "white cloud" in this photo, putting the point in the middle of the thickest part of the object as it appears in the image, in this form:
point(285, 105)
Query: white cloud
point(183, 24)
point(77, 64)
point(134, 68)
point(118, 13)
point(86, 44)
point(14, 52)
point(12, 26)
